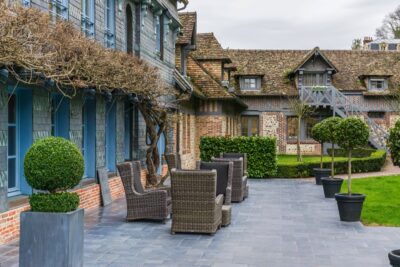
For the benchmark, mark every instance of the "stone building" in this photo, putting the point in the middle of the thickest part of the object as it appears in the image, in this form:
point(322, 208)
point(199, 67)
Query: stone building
point(256, 86)
point(147, 29)
point(212, 109)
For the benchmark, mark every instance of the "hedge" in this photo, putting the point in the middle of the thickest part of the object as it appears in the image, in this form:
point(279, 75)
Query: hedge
point(261, 152)
point(356, 153)
point(373, 163)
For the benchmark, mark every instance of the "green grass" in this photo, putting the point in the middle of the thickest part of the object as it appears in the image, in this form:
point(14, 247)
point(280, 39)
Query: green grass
point(382, 204)
point(307, 159)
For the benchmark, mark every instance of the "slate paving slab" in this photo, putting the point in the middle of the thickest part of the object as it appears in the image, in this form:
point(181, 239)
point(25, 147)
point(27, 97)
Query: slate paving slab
point(282, 223)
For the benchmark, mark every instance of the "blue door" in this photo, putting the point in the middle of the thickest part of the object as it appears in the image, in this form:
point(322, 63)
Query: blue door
point(89, 137)
point(111, 125)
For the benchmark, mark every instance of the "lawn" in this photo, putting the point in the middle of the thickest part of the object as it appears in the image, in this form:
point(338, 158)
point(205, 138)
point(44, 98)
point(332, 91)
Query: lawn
point(307, 159)
point(382, 205)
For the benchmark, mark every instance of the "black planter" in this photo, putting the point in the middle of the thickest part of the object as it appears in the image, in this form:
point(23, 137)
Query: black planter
point(320, 173)
point(331, 186)
point(51, 239)
point(394, 258)
point(350, 206)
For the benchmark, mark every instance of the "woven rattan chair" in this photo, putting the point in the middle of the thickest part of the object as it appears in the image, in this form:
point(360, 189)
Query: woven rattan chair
point(141, 204)
point(224, 177)
point(239, 181)
point(173, 162)
point(195, 206)
point(232, 155)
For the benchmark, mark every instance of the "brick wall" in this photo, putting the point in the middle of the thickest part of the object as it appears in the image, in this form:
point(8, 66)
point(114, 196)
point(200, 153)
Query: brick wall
point(89, 198)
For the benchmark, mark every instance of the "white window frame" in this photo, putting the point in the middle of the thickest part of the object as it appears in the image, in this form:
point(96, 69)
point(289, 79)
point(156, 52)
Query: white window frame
point(376, 80)
point(250, 83)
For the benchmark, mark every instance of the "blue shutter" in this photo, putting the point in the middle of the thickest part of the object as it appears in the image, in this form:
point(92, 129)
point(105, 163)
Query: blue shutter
point(26, 3)
point(161, 151)
point(90, 137)
point(110, 24)
point(111, 125)
point(25, 135)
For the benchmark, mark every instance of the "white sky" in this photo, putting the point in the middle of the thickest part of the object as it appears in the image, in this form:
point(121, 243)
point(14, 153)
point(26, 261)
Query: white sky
point(290, 24)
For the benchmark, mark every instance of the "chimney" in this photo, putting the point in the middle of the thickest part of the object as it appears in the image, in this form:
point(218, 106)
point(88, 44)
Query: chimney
point(367, 40)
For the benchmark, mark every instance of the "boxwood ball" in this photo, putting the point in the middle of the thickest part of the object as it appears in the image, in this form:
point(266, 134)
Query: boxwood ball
point(53, 164)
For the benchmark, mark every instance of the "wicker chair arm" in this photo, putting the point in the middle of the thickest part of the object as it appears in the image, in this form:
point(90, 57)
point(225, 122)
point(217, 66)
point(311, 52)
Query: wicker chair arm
point(153, 196)
point(219, 200)
point(228, 196)
point(162, 188)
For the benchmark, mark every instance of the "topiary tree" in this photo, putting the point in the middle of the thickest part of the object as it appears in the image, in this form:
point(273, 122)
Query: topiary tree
point(54, 164)
point(329, 127)
point(319, 134)
point(351, 133)
point(394, 143)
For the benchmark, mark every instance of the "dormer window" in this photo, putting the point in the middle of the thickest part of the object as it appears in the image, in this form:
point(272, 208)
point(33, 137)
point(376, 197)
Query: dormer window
point(250, 83)
point(377, 84)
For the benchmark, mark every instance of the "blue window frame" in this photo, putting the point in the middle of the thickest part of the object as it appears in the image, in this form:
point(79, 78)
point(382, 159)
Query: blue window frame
point(89, 137)
point(161, 151)
point(19, 139)
point(26, 3)
point(88, 7)
point(111, 125)
point(59, 9)
point(128, 131)
point(109, 31)
point(60, 111)
point(159, 34)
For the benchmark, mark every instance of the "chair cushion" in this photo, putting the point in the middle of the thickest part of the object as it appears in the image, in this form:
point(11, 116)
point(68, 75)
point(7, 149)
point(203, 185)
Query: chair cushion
point(222, 169)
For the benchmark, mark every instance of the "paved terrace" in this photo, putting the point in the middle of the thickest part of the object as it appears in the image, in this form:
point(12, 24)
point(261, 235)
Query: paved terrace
point(282, 223)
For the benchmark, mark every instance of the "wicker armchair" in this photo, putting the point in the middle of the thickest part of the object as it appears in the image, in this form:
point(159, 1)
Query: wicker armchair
point(141, 204)
point(224, 177)
point(173, 162)
point(237, 156)
point(195, 207)
point(239, 181)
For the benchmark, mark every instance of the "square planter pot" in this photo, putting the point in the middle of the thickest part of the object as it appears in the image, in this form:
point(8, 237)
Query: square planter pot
point(51, 239)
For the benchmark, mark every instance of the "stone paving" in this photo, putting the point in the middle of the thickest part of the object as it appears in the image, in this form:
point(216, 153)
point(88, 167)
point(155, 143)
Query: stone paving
point(282, 223)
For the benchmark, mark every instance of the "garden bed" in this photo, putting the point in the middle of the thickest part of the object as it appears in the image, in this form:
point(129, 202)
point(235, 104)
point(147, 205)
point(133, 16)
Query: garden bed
point(288, 167)
point(381, 206)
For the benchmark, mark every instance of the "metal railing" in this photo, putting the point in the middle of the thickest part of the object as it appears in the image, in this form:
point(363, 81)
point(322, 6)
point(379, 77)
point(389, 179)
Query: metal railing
point(329, 96)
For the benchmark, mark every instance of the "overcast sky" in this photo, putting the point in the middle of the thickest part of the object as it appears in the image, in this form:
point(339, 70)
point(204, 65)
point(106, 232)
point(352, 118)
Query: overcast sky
point(290, 24)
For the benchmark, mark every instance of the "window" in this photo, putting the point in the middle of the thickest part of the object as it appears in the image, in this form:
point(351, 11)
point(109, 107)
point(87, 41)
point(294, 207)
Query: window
point(109, 31)
point(60, 116)
point(314, 79)
point(250, 83)
point(89, 137)
point(59, 9)
point(88, 17)
point(159, 35)
point(128, 131)
point(129, 30)
point(309, 124)
point(12, 145)
point(377, 84)
point(250, 125)
point(376, 114)
point(111, 139)
point(292, 126)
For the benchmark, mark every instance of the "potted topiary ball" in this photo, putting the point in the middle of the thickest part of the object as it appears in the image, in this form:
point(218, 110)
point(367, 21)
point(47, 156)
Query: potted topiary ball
point(331, 185)
point(351, 133)
point(319, 134)
point(52, 231)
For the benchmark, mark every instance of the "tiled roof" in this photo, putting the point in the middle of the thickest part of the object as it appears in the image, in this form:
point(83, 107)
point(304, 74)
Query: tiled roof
point(206, 85)
point(208, 47)
point(188, 21)
point(276, 65)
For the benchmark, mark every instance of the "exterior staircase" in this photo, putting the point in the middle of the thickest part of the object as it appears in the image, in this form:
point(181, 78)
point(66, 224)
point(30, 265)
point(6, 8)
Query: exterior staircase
point(329, 96)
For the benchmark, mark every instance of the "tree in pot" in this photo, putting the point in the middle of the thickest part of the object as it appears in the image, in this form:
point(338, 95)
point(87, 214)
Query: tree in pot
point(331, 184)
point(394, 146)
point(52, 232)
point(319, 134)
point(351, 133)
